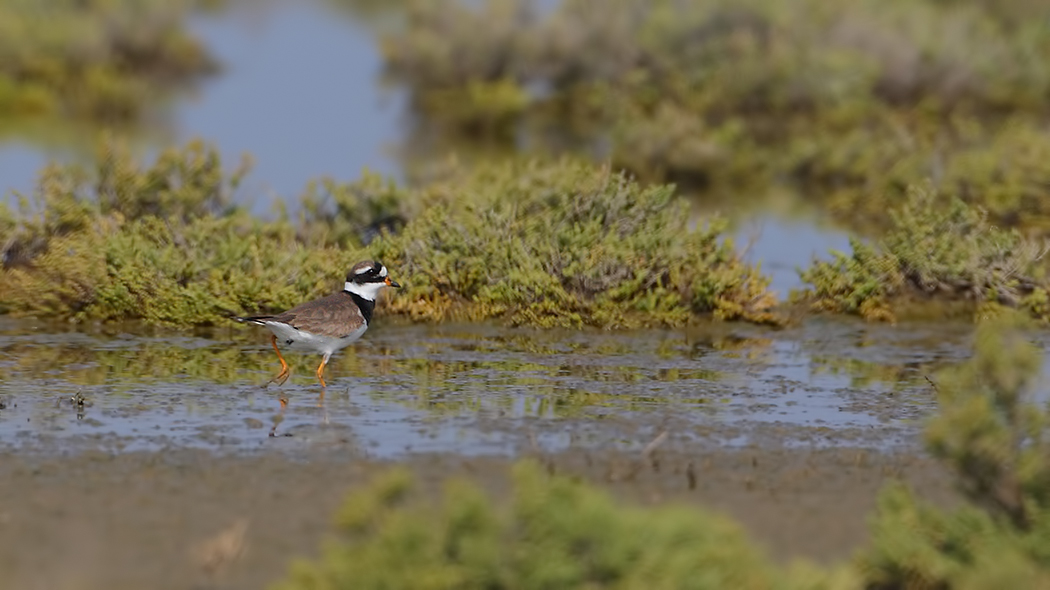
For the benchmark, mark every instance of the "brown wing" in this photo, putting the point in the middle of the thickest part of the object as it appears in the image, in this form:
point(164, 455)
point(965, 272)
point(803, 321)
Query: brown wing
point(334, 316)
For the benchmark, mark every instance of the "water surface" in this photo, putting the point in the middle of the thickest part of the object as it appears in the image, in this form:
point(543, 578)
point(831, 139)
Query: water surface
point(472, 389)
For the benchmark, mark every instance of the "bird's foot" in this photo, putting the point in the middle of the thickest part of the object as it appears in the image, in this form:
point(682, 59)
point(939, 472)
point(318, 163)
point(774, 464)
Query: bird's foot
point(280, 378)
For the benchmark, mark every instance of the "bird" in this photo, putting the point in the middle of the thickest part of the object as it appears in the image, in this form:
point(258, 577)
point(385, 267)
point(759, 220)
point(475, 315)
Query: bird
point(328, 324)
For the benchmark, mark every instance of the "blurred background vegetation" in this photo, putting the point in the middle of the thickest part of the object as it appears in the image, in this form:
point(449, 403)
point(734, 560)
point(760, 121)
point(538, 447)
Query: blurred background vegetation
point(881, 116)
point(851, 101)
point(95, 62)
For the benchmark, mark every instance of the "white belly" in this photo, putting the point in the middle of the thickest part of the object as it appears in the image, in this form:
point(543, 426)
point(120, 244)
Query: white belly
point(310, 342)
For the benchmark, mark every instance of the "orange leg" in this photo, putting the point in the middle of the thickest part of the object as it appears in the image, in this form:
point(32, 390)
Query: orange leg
point(283, 375)
point(320, 371)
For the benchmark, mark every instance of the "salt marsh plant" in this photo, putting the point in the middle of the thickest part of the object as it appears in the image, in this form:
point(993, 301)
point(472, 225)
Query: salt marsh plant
point(936, 249)
point(554, 243)
point(162, 243)
point(333, 212)
point(556, 533)
point(568, 244)
point(722, 58)
point(991, 431)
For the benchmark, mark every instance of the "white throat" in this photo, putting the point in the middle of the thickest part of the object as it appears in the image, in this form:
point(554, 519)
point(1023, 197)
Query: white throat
point(367, 291)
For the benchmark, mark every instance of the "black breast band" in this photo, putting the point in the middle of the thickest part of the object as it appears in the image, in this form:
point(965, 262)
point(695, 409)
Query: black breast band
point(366, 306)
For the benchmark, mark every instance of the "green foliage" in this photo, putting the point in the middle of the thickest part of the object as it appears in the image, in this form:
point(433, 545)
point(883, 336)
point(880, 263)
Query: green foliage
point(540, 244)
point(182, 186)
point(934, 249)
point(567, 244)
point(557, 533)
point(465, 76)
point(917, 546)
point(92, 59)
point(750, 56)
point(161, 243)
point(997, 163)
point(988, 430)
point(992, 435)
point(857, 283)
point(355, 213)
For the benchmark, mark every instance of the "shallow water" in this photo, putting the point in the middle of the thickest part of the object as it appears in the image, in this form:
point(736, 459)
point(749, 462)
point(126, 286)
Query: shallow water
point(471, 389)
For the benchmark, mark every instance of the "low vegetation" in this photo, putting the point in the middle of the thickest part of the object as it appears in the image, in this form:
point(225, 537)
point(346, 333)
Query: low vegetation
point(854, 101)
point(568, 244)
point(991, 431)
point(95, 59)
point(161, 243)
point(561, 243)
point(541, 243)
point(556, 532)
point(937, 249)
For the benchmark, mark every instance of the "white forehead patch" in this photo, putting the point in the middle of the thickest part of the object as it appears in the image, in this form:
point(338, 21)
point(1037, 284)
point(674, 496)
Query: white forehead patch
point(382, 272)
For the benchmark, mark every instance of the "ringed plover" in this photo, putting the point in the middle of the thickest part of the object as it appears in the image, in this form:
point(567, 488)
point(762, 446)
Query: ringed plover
point(328, 324)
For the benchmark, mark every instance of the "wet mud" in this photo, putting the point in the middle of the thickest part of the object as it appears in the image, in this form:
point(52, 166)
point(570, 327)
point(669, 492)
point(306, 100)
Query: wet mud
point(134, 457)
point(193, 519)
point(469, 389)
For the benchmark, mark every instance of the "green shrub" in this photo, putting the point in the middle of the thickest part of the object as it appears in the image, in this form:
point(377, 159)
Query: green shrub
point(353, 213)
point(161, 243)
point(992, 434)
point(543, 244)
point(935, 249)
point(917, 546)
point(990, 431)
point(733, 57)
point(556, 534)
point(568, 244)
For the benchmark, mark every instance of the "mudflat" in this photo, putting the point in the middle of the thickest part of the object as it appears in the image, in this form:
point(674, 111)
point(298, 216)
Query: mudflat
point(197, 519)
